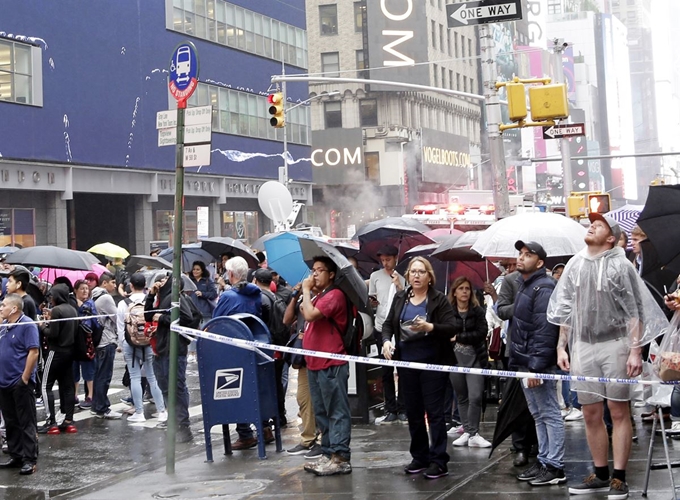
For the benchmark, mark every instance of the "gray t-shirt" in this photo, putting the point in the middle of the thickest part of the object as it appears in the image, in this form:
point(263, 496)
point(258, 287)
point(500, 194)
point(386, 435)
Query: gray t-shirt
point(379, 285)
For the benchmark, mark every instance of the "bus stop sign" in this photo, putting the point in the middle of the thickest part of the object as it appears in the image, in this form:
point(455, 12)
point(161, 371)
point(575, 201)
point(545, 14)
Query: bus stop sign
point(183, 71)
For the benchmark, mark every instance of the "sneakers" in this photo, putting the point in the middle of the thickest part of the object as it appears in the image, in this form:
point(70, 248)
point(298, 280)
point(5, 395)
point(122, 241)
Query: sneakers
point(136, 418)
point(314, 452)
point(591, 484)
point(548, 476)
point(184, 434)
point(674, 429)
point(389, 418)
point(310, 466)
point(66, 428)
point(39, 403)
point(85, 404)
point(531, 473)
point(574, 414)
point(434, 471)
point(565, 412)
point(462, 440)
point(456, 430)
point(478, 441)
point(298, 450)
point(47, 426)
point(128, 401)
point(336, 465)
point(403, 419)
point(618, 490)
point(110, 415)
point(414, 467)
point(163, 416)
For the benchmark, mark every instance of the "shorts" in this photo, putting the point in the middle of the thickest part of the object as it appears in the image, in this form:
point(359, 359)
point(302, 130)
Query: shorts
point(603, 359)
point(88, 368)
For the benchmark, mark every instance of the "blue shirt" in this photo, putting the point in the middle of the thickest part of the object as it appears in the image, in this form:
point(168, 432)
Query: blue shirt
point(421, 350)
point(16, 340)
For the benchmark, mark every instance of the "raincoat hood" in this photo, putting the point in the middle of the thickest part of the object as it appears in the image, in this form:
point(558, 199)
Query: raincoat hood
point(247, 289)
point(59, 294)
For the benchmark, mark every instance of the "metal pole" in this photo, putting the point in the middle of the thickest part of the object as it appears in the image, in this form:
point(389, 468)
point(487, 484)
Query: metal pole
point(283, 172)
point(176, 284)
point(567, 181)
point(501, 198)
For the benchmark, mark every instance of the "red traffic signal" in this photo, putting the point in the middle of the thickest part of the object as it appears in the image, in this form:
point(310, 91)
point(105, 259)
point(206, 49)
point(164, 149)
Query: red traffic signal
point(599, 203)
point(275, 109)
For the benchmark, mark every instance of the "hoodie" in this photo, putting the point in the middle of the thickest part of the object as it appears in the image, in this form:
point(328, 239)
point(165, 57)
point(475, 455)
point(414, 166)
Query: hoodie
point(241, 298)
point(106, 305)
point(60, 335)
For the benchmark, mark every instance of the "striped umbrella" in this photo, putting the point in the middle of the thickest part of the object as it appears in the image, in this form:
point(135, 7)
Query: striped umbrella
point(627, 217)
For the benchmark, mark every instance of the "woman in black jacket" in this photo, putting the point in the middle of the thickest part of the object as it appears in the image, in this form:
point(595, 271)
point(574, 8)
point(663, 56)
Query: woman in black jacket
point(470, 349)
point(421, 321)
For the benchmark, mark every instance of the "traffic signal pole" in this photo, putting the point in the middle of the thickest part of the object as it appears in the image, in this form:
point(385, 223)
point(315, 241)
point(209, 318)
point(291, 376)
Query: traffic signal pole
point(567, 181)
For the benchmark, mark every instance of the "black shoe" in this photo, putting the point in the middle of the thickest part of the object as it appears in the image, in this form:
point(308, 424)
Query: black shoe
point(12, 463)
point(28, 469)
point(184, 434)
point(434, 471)
point(45, 428)
point(414, 467)
point(531, 473)
point(521, 459)
point(549, 475)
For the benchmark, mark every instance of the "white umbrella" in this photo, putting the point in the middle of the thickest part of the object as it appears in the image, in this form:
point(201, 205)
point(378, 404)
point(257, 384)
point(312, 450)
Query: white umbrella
point(557, 234)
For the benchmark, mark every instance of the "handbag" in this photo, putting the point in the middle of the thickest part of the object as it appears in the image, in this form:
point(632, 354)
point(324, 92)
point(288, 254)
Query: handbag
point(667, 361)
point(297, 361)
point(495, 344)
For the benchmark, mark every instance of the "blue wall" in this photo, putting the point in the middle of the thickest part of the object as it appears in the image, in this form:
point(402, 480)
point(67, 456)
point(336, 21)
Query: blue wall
point(103, 60)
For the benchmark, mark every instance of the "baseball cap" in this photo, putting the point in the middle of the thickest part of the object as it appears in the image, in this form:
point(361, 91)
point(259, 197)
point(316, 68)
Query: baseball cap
point(263, 276)
point(533, 247)
point(388, 250)
point(611, 223)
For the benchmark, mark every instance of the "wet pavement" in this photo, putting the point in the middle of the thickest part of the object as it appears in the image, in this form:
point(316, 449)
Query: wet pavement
point(113, 459)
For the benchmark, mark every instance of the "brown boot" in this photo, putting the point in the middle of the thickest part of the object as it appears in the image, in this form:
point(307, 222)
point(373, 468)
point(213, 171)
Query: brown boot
point(244, 444)
point(268, 435)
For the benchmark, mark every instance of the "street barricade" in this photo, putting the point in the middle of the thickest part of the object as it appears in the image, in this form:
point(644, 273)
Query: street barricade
point(237, 385)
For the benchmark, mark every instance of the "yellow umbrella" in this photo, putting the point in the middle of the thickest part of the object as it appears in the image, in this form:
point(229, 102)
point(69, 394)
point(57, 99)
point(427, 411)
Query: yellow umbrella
point(110, 250)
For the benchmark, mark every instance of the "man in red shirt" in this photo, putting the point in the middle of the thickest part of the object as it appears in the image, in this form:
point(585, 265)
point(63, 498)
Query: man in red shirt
point(326, 316)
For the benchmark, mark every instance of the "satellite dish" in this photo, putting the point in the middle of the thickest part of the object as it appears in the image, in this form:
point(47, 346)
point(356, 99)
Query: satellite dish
point(275, 201)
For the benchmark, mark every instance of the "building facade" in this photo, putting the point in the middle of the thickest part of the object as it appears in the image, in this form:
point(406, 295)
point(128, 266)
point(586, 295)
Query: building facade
point(80, 157)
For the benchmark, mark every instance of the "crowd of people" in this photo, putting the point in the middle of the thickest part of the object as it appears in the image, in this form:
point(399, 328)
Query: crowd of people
point(592, 316)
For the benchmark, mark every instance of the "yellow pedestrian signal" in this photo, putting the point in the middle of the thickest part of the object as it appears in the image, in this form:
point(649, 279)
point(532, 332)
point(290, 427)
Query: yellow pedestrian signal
point(549, 102)
point(599, 203)
point(517, 101)
point(576, 206)
point(276, 110)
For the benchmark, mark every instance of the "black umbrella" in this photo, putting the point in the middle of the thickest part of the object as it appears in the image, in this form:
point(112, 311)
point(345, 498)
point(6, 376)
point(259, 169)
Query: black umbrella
point(513, 413)
point(458, 247)
point(401, 232)
point(366, 264)
point(51, 256)
point(219, 245)
point(347, 278)
point(135, 262)
point(660, 220)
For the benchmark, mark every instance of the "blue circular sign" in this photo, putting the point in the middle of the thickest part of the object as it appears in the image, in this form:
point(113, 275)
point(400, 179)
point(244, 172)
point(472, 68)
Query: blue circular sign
point(183, 71)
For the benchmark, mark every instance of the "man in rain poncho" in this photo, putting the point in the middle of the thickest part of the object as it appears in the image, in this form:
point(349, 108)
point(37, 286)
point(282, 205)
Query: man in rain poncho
point(606, 314)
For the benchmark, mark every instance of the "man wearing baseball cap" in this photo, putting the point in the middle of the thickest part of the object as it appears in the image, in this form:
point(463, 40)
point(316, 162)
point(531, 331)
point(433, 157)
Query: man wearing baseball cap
point(606, 315)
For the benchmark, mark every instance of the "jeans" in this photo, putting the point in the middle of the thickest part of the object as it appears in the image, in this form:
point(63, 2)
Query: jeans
point(331, 408)
point(675, 403)
point(424, 394)
point(135, 357)
point(543, 405)
point(18, 409)
point(102, 378)
point(161, 368)
point(570, 397)
point(470, 391)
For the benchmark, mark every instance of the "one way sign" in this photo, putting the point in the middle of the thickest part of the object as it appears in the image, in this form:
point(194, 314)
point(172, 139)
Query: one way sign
point(560, 131)
point(483, 12)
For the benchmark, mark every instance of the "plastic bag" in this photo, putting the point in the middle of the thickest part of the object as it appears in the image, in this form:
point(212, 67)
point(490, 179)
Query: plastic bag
point(667, 362)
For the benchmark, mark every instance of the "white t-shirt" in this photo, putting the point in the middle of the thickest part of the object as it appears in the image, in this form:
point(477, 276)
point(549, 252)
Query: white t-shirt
point(380, 285)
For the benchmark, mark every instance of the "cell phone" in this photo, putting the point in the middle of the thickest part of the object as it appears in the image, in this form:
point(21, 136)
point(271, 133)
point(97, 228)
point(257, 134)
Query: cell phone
point(410, 322)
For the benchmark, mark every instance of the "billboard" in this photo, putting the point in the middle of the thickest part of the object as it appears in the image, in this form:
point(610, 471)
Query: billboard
point(445, 158)
point(338, 156)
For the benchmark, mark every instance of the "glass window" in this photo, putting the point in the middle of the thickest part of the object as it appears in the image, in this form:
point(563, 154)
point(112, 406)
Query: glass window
point(372, 166)
point(361, 64)
point(433, 34)
point(441, 37)
point(359, 16)
point(330, 63)
point(328, 17)
point(17, 227)
point(470, 51)
point(242, 226)
point(368, 112)
point(333, 114)
point(16, 72)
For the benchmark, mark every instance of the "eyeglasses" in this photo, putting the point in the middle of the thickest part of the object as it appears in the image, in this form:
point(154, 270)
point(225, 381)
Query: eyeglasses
point(319, 271)
point(417, 272)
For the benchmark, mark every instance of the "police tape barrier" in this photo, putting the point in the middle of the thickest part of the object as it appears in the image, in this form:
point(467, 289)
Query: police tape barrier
point(255, 345)
point(95, 316)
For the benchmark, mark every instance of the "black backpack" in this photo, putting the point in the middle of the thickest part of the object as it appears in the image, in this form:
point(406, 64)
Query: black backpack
point(277, 308)
point(351, 337)
point(83, 345)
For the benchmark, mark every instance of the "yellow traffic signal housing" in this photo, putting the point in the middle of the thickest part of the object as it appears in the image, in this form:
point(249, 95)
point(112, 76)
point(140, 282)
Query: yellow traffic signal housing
point(276, 110)
point(517, 101)
point(549, 102)
point(576, 206)
point(599, 203)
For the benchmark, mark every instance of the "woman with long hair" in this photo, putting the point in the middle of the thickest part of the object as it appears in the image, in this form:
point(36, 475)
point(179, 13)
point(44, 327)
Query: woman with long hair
point(86, 307)
point(205, 295)
point(421, 322)
point(470, 330)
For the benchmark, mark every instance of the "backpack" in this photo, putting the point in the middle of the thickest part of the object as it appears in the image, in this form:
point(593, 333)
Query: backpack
point(83, 344)
point(351, 337)
point(95, 325)
point(277, 308)
point(135, 325)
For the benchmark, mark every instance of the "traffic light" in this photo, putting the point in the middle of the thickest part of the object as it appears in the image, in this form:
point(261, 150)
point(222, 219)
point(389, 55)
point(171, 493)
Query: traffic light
point(599, 203)
point(275, 101)
point(576, 206)
point(549, 102)
point(517, 101)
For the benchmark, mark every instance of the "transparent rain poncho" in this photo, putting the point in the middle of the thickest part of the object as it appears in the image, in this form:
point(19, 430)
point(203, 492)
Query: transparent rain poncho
point(607, 309)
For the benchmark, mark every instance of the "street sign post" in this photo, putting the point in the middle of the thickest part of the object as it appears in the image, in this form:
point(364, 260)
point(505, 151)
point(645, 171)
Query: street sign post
point(483, 12)
point(196, 156)
point(562, 131)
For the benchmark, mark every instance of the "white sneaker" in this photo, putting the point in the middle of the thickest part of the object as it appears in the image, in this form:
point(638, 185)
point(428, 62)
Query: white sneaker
point(163, 416)
point(574, 414)
point(111, 415)
point(565, 412)
point(478, 441)
point(137, 417)
point(675, 428)
point(456, 430)
point(462, 441)
point(640, 404)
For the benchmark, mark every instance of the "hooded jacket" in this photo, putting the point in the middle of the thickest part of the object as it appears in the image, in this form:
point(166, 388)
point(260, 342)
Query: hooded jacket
point(241, 298)
point(472, 330)
point(533, 341)
point(60, 335)
point(106, 305)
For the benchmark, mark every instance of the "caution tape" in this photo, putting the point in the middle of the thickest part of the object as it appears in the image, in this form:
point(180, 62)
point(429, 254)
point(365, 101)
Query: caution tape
point(56, 320)
point(254, 345)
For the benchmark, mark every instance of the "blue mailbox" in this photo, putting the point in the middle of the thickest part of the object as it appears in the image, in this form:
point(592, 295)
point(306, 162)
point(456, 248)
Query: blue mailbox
point(237, 385)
